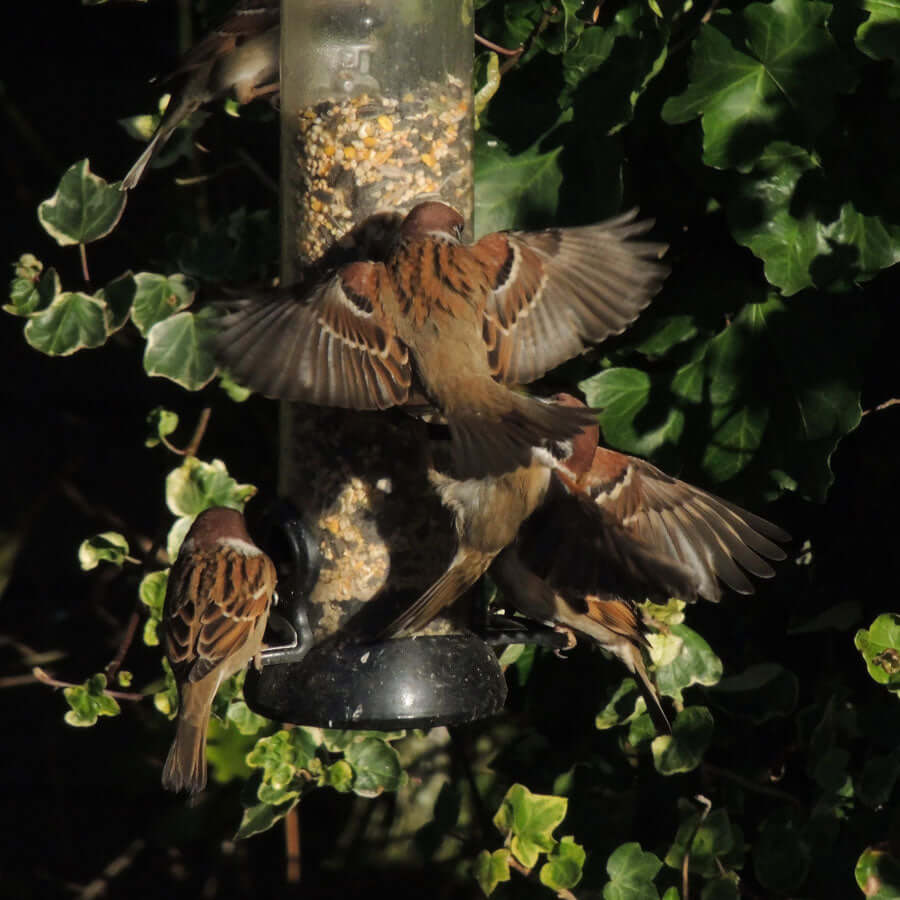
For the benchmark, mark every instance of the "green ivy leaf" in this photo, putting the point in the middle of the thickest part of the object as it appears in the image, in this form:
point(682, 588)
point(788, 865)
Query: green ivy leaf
point(708, 841)
point(877, 35)
point(780, 857)
point(158, 297)
point(244, 719)
point(513, 190)
point(161, 423)
point(262, 816)
point(110, 546)
point(72, 322)
point(152, 592)
point(118, 296)
point(527, 820)
point(721, 889)
point(84, 207)
point(770, 71)
point(89, 701)
point(878, 874)
point(565, 862)
point(880, 648)
point(166, 700)
point(878, 779)
point(683, 658)
point(339, 775)
point(683, 749)
point(32, 289)
point(761, 692)
point(236, 392)
point(623, 706)
point(490, 869)
point(180, 348)
point(376, 767)
point(631, 872)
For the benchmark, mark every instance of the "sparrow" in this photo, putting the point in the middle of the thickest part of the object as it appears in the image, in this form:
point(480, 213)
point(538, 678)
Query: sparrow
point(457, 322)
point(619, 530)
point(217, 603)
point(242, 55)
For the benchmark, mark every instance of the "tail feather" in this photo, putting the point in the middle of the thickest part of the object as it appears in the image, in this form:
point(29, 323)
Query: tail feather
point(185, 768)
point(496, 442)
point(466, 568)
point(648, 691)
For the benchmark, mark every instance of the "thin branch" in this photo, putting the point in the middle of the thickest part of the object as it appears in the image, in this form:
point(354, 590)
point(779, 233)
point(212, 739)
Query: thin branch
point(686, 862)
point(750, 785)
point(199, 431)
point(99, 887)
point(44, 678)
point(538, 29)
point(887, 403)
point(115, 663)
point(82, 251)
point(257, 170)
point(497, 48)
point(292, 846)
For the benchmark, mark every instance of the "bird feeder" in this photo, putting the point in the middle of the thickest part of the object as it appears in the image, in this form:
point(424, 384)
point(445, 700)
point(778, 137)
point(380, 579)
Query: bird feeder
point(376, 116)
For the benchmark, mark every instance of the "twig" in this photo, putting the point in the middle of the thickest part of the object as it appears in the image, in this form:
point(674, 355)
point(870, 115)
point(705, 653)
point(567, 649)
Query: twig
point(115, 663)
point(257, 170)
point(686, 862)
point(749, 784)
point(44, 678)
point(292, 846)
point(538, 29)
point(100, 885)
point(17, 680)
point(199, 431)
point(892, 402)
point(497, 48)
point(82, 251)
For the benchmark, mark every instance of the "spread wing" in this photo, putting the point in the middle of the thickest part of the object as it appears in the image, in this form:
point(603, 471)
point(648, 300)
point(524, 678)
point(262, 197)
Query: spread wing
point(558, 290)
point(247, 19)
point(214, 601)
point(712, 537)
point(333, 347)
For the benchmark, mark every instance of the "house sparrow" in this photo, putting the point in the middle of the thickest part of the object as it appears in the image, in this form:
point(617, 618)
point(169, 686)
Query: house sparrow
point(215, 612)
point(460, 321)
point(654, 536)
point(241, 54)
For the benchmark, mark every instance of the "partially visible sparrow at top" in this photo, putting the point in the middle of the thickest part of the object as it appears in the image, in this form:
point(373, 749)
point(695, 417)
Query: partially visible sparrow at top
point(217, 604)
point(457, 323)
point(241, 55)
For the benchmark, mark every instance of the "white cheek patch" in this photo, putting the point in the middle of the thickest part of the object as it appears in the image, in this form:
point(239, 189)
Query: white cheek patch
point(242, 547)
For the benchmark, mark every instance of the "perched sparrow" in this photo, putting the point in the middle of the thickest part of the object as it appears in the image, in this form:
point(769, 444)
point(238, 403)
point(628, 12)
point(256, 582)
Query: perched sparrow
point(457, 321)
point(241, 54)
point(624, 530)
point(217, 603)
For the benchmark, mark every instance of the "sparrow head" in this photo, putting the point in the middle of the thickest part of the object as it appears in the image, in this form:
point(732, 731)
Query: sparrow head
point(214, 525)
point(582, 447)
point(435, 219)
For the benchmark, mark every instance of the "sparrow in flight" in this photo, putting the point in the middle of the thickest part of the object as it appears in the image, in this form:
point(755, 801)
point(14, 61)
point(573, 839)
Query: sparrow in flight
point(455, 322)
point(242, 55)
point(616, 529)
point(215, 612)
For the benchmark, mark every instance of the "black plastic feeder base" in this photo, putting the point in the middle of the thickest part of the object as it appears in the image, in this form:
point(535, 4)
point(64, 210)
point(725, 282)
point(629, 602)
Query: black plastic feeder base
point(416, 682)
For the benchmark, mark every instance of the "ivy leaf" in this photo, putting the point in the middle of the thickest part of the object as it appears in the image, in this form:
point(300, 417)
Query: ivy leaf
point(780, 857)
point(110, 546)
point(152, 592)
point(158, 297)
point(72, 322)
point(376, 767)
point(161, 423)
point(526, 820)
point(32, 289)
point(512, 191)
point(339, 775)
point(683, 658)
point(707, 841)
point(244, 719)
point(490, 869)
point(683, 749)
point(770, 71)
point(180, 348)
point(761, 692)
point(262, 816)
point(878, 874)
point(631, 872)
point(118, 296)
point(622, 707)
point(789, 215)
point(89, 701)
point(877, 36)
point(880, 648)
point(84, 207)
point(562, 871)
